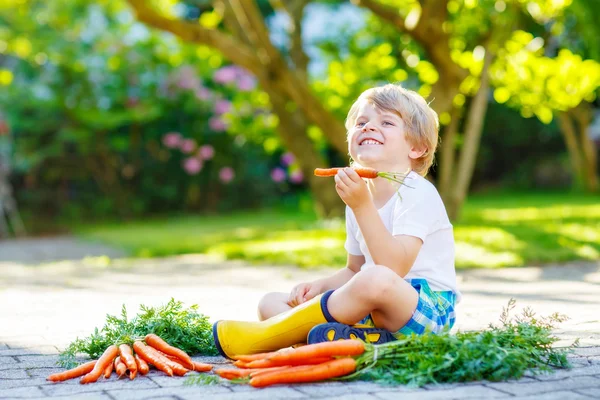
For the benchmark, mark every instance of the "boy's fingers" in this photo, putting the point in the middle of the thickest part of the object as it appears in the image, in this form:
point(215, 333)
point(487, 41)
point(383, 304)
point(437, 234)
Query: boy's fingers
point(343, 177)
point(352, 175)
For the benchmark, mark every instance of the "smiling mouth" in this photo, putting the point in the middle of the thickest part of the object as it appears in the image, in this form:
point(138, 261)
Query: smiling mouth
point(370, 142)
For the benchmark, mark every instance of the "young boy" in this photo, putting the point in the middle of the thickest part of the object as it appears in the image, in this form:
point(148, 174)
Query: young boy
point(400, 277)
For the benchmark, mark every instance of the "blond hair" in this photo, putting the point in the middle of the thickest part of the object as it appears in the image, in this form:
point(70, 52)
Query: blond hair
point(420, 120)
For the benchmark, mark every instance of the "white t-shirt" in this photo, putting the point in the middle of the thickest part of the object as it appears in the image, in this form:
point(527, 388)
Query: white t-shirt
point(418, 211)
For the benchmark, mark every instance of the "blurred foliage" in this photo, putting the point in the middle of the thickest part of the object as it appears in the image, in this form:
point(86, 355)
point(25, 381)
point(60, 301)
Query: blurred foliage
point(498, 229)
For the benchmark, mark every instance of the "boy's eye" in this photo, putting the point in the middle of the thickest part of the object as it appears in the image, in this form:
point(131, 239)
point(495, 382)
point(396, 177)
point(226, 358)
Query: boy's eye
point(388, 123)
point(360, 123)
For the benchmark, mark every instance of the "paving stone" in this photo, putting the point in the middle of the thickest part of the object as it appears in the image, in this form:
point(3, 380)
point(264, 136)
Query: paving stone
point(31, 361)
point(587, 351)
point(37, 351)
point(29, 382)
point(192, 392)
point(3, 346)
point(167, 381)
point(79, 396)
point(270, 393)
point(371, 387)
point(13, 374)
point(593, 369)
point(560, 395)
point(356, 396)
point(461, 392)
point(43, 372)
point(523, 389)
point(325, 389)
point(21, 393)
point(73, 386)
point(592, 392)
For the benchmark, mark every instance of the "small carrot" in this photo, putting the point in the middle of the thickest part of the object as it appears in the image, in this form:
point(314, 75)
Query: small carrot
point(253, 357)
point(107, 357)
point(127, 357)
point(120, 367)
point(330, 369)
point(241, 364)
point(150, 355)
point(266, 363)
point(108, 371)
point(201, 367)
point(369, 173)
point(142, 365)
point(72, 373)
point(159, 344)
point(349, 347)
point(177, 368)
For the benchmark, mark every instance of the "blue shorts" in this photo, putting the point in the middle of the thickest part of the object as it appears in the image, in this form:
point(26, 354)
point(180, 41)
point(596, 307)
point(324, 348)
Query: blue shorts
point(434, 312)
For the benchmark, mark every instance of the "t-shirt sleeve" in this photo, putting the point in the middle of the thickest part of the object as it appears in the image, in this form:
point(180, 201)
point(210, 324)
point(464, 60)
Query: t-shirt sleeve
point(352, 246)
point(416, 216)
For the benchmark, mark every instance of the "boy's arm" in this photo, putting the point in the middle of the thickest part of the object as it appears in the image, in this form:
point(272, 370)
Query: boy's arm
point(396, 252)
point(342, 276)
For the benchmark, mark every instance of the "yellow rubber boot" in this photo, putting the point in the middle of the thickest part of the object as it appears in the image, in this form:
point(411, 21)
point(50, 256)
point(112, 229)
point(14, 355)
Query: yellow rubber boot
point(289, 328)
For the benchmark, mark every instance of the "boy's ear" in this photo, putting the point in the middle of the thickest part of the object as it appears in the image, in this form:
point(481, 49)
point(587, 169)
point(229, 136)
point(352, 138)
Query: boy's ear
point(417, 152)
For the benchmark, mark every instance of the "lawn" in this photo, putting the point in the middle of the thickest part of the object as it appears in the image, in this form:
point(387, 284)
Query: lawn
point(496, 230)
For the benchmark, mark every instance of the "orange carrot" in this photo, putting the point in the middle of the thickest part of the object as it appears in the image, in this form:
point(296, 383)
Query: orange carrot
point(347, 347)
point(201, 367)
point(266, 363)
point(242, 373)
point(253, 357)
point(108, 371)
point(241, 364)
point(120, 367)
point(177, 368)
point(127, 357)
point(159, 344)
point(73, 373)
point(142, 365)
point(107, 357)
point(362, 172)
point(330, 369)
point(151, 356)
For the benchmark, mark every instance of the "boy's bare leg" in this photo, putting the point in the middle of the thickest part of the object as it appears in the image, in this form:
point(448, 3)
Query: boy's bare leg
point(273, 304)
point(378, 291)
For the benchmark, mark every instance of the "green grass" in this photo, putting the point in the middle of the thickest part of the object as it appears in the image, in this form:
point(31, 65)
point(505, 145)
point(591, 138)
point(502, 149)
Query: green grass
point(496, 230)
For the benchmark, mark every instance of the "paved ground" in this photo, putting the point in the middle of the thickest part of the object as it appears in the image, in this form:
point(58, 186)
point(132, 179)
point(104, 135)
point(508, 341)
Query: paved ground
point(44, 306)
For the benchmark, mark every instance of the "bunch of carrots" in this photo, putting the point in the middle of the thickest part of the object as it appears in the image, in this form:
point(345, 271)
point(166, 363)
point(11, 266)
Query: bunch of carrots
point(125, 360)
point(310, 363)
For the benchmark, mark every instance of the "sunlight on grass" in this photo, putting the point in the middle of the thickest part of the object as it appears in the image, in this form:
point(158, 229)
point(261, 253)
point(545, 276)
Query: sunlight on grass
point(495, 231)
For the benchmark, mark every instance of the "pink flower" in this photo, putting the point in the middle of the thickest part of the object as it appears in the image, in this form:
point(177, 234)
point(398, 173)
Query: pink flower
point(203, 93)
point(296, 177)
point(217, 124)
point(225, 74)
point(222, 106)
point(192, 165)
point(187, 78)
point(278, 174)
point(226, 174)
point(172, 139)
point(246, 83)
point(287, 158)
point(188, 145)
point(206, 152)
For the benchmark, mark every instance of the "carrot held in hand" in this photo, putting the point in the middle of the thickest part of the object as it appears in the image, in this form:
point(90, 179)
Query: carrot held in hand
point(127, 357)
point(150, 355)
point(142, 365)
point(303, 373)
point(160, 345)
point(107, 357)
point(362, 172)
point(72, 373)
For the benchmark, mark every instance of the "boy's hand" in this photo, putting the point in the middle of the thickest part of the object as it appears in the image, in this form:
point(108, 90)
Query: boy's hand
point(351, 188)
point(302, 293)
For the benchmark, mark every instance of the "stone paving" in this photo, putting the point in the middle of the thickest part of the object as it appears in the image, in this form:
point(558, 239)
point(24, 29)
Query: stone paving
point(53, 290)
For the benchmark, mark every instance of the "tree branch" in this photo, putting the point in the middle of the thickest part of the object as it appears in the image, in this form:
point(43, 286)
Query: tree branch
point(295, 10)
point(230, 47)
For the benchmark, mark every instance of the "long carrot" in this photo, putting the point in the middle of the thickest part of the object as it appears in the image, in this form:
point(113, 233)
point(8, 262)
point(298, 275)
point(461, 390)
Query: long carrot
point(349, 347)
point(159, 344)
point(120, 367)
point(268, 362)
point(228, 373)
point(253, 357)
point(108, 371)
point(107, 357)
point(151, 356)
point(142, 365)
point(177, 368)
point(73, 373)
point(362, 172)
point(330, 369)
point(127, 357)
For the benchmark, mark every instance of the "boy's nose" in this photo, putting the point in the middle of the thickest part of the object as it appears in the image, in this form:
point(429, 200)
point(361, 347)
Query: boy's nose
point(368, 127)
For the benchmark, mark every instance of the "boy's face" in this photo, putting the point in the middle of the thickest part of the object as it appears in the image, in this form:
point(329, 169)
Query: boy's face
point(378, 139)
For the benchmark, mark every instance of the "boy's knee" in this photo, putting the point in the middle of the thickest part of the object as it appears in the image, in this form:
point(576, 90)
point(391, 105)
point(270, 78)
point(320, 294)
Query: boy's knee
point(376, 281)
